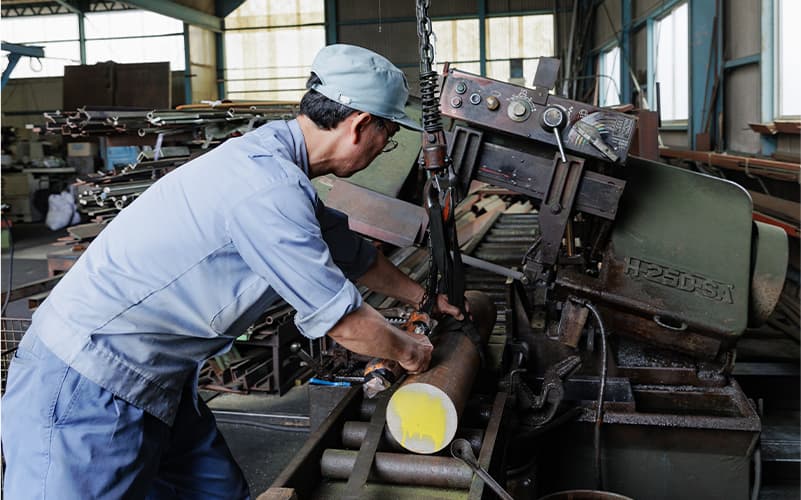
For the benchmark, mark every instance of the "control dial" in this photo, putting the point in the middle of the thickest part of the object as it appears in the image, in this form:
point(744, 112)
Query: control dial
point(519, 110)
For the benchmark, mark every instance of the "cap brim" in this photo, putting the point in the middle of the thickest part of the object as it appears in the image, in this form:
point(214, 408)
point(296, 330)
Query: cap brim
point(407, 122)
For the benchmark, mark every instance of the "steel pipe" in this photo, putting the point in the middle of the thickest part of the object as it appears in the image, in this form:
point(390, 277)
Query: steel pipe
point(401, 468)
point(423, 414)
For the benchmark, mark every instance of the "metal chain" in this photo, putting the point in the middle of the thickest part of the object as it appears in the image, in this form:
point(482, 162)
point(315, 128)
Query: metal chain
point(424, 32)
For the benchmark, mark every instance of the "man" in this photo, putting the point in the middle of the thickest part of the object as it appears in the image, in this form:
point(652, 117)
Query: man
point(101, 399)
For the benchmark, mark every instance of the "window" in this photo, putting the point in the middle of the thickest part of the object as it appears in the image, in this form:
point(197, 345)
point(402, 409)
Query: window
point(457, 43)
point(58, 34)
point(518, 37)
point(788, 71)
point(672, 62)
point(133, 36)
point(272, 63)
point(609, 77)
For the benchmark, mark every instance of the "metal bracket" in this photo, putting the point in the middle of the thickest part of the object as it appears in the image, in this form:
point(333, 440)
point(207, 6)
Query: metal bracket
point(557, 206)
point(366, 457)
point(464, 146)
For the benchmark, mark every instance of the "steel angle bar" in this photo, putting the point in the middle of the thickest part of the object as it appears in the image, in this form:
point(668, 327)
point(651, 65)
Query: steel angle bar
point(377, 215)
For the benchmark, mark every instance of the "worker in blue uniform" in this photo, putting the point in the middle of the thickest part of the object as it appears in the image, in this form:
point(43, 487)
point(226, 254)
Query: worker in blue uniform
point(101, 400)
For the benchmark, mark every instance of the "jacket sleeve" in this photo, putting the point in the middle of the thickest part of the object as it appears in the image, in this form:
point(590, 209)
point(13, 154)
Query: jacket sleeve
point(277, 234)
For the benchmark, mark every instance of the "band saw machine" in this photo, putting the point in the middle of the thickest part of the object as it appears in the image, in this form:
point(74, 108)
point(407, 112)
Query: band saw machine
point(618, 343)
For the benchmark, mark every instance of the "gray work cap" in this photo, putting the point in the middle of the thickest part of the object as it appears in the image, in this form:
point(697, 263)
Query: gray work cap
point(363, 80)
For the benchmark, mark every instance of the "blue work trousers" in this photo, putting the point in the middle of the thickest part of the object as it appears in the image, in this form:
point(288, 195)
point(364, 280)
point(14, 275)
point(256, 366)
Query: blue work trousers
point(65, 437)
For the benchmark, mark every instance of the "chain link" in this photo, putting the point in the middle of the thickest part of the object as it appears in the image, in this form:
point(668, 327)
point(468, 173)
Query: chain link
point(424, 33)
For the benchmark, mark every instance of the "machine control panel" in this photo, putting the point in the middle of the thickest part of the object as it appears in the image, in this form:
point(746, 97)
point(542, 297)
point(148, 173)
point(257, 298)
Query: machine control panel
point(569, 126)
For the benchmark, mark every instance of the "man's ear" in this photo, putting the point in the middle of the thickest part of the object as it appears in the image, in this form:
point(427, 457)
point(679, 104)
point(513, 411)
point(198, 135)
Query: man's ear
point(358, 124)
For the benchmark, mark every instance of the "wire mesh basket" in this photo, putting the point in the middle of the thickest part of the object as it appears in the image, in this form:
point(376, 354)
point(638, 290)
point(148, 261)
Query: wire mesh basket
point(11, 332)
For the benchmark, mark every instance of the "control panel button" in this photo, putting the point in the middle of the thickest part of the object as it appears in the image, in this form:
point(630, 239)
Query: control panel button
point(493, 103)
point(461, 88)
point(475, 98)
point(518, 110)
point(456, 101)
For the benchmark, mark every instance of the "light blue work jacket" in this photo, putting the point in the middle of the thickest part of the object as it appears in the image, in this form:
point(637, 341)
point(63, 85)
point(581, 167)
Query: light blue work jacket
point(183, 270)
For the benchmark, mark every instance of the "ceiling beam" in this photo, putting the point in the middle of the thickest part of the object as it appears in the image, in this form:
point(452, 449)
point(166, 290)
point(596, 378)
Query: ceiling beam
point(70, 7)
point(225, 7)
point(182, 12)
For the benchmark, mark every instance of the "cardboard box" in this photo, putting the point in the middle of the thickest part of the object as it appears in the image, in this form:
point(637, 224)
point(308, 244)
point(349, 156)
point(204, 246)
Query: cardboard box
point(20, 208)
point(84, 149)
point(82, 164)
point(14, 184)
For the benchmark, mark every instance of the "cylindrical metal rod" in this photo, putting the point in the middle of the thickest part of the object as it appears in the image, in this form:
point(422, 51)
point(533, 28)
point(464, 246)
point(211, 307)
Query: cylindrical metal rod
point(353, 433)
point(424, 413)
point(401, 468)
point(494, 268)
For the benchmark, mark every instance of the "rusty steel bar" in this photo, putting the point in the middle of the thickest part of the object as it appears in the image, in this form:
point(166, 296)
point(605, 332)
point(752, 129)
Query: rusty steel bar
point(401, 468)
point(422, 416)
point(480, 409)
point(278, 315)
point(353, 433)
point(494, 256)
point(516, 231)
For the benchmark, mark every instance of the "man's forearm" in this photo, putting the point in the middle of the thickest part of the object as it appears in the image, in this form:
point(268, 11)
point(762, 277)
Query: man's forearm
point(365, 331)
point(383, 277)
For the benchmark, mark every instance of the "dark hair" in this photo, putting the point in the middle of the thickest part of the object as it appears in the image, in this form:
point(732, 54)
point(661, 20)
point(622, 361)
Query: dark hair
point(324, 112)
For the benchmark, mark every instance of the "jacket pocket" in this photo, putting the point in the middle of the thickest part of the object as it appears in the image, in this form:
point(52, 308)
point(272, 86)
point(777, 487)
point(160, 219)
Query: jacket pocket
point(242, 308)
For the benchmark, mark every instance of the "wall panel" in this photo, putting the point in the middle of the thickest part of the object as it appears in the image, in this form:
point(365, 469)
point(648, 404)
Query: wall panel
point(504, 6)
point(605, 31)
point(643, 7)
point(742, 28)
point(742, 107)
point(202, 54)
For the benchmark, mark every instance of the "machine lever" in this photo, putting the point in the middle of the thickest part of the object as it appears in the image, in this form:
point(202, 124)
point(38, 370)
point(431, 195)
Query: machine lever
point(559, 145)
point(554, 119)
point(461, 449)
point(591, 135)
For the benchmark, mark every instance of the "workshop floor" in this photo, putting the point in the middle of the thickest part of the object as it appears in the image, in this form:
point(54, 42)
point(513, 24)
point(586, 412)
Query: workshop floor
point(261, 444)
point(264, 431)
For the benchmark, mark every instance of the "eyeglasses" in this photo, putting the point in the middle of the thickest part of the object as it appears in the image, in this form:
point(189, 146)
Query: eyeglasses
point(390, 146)
point(391, 143)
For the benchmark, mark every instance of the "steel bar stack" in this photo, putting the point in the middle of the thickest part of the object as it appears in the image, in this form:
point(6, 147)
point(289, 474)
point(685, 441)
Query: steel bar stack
point(107, 194)
point(207, 123)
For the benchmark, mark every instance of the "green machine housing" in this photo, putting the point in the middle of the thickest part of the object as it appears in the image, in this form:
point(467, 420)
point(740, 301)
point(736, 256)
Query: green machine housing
point(672, 256)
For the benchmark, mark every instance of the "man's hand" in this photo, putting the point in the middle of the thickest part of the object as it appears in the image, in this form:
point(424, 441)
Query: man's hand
point(420, 354)
point(366, 331)
point(444, 307)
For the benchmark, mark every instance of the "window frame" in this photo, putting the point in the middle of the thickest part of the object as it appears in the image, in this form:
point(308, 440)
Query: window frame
point(778, 111)
point(82, 39)
point(605, 79)
point(247, 93)
point(177, 36)
point(45, 43)
point(525, 59)
point(652, 20)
